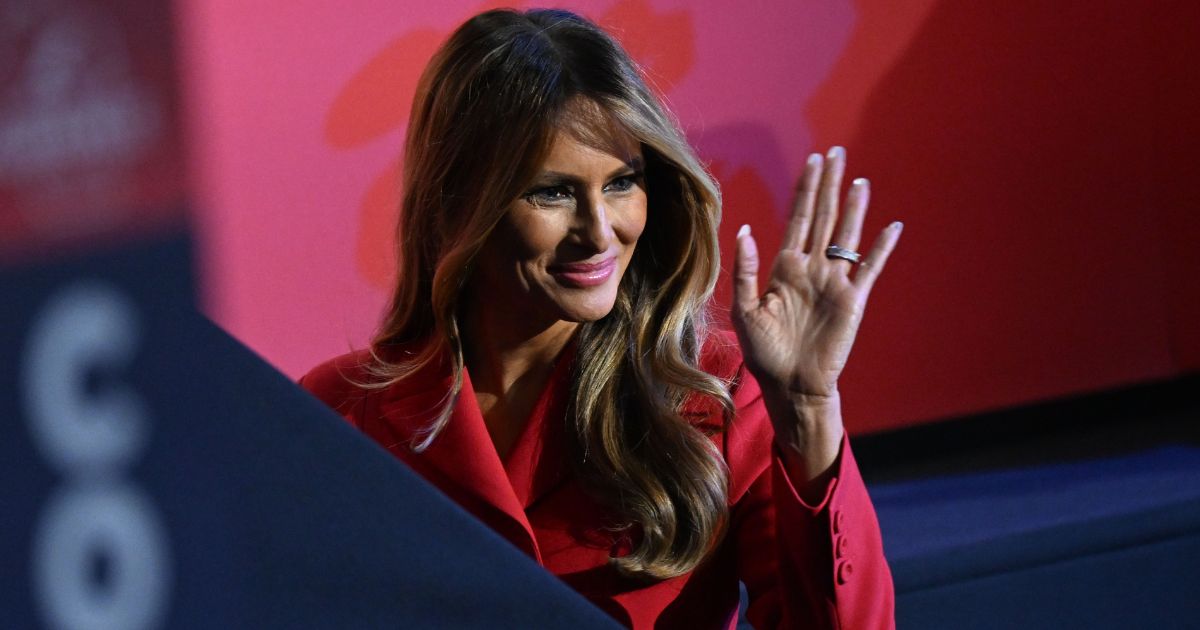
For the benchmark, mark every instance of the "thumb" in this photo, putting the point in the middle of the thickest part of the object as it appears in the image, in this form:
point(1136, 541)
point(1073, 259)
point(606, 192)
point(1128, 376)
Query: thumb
point(745, 273)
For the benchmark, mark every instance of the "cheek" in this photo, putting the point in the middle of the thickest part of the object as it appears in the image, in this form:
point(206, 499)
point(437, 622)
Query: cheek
point(632, 220)
point(532, 235)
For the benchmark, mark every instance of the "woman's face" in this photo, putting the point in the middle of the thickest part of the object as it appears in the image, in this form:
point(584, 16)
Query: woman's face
point(562, 248)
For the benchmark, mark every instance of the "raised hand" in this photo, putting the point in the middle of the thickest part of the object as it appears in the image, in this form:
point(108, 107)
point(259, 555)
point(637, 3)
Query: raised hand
point(797, 334)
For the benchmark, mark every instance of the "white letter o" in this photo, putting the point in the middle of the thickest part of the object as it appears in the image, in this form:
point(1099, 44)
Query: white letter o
point(85, 520)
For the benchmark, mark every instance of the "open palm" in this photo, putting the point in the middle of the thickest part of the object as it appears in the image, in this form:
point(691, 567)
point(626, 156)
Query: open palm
point(797, 335)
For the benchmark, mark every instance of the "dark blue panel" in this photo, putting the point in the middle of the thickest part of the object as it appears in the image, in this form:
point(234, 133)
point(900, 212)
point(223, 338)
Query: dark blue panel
point(1097, 544)
point(1152, 585)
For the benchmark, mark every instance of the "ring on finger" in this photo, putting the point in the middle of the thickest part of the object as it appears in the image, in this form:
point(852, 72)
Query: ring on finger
point(836, 251)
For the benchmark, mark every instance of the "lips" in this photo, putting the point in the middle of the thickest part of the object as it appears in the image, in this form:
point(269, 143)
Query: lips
point(584, 274)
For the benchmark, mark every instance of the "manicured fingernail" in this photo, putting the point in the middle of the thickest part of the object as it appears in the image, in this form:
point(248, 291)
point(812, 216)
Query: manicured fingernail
point(814, 159)
point(743, 231)
point(861, 182)
point(896, 225)
point(836, 152)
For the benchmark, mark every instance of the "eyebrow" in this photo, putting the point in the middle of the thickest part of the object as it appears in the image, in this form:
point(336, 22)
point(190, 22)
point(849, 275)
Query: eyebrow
point(559, 178)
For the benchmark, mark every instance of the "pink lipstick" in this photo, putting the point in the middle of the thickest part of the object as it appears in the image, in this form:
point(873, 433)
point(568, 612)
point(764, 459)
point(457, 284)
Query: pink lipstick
point(583, 275)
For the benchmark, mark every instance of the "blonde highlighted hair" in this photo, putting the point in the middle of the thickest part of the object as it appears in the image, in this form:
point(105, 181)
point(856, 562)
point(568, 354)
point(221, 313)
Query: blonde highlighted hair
point(486, 109)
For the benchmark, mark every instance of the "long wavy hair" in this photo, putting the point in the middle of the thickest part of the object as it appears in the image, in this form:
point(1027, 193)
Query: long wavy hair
point(486, 110)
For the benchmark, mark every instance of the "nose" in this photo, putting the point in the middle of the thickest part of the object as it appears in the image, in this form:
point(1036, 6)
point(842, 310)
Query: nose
point(594, 225)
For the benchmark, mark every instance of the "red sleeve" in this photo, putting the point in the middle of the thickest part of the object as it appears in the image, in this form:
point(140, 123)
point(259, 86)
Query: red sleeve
point(804, 566)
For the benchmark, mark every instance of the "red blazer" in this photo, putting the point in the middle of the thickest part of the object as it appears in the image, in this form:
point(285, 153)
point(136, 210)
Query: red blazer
point(804, 566)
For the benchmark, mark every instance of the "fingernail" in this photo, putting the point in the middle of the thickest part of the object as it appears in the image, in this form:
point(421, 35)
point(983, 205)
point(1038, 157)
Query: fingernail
point(836, 152)
point(861, 181)
point(814, 159)
point(744, 231)
point(896, 225)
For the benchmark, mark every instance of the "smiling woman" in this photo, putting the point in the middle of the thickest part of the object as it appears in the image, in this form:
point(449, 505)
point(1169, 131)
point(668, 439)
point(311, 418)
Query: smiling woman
point(546, 359)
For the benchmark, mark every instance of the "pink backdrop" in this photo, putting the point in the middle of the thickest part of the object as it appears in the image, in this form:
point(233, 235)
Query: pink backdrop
point(1027, 147)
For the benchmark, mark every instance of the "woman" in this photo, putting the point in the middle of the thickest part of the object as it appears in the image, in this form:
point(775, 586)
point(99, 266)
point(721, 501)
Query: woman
point(546, 361)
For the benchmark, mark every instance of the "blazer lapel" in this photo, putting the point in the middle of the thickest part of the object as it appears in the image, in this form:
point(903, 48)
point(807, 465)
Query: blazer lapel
point(538, 463)
point(461, 460)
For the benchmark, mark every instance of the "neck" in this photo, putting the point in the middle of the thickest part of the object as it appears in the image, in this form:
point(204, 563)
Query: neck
point(499, 352)
point(509, 366)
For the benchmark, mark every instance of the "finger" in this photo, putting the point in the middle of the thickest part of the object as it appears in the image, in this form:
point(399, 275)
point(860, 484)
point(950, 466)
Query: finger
point(745, 272)
point(803, 204)
point(850, 233)
point(827, 200)
point(870, 268)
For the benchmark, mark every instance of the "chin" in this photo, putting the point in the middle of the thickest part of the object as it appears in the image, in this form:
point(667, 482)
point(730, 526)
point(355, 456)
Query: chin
point(584, 315)
point(586, 308)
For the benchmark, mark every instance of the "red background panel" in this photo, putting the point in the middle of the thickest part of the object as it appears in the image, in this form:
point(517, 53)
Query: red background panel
point(1017, 142)
point(1176, 159)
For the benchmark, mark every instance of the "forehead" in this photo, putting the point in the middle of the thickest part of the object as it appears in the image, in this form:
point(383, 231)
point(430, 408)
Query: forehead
point(568, 154)
point(588, 133)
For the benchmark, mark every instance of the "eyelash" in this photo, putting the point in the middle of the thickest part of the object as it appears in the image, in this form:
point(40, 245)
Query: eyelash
point(552, 195)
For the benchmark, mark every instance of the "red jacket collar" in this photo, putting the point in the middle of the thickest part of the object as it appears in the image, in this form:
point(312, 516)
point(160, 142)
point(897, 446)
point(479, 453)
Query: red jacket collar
point(462, 459)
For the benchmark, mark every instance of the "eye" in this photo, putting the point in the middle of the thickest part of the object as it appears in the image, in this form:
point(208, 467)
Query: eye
point(549, 195)
point(624, 183)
